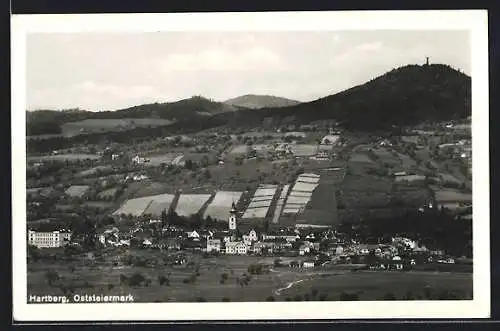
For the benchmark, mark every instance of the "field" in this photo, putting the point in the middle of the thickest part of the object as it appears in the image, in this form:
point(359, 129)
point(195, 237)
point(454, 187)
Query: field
point(304, 150)
point(169, 158)
point(322, 209)
point(409, 178)
point(282, 283)
point(280, 204)
point(63, 157)
point(146, 205)
point(301, 193)
point(189, 204)
point(109, 193)
point(221, 204)
point(452, 195)
point(360, 157)
point(103, 125)
point(77, 190)
point(261, 201)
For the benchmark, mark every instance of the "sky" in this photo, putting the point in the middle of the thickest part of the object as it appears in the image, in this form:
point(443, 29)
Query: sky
point(109, 71)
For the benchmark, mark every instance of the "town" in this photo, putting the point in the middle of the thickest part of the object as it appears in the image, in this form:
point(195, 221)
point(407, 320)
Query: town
point(298, 201)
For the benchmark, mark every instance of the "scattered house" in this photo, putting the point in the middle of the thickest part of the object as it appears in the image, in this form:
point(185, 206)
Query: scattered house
point(339, 250)
point(138, 178)
point(329, 139)
point(221, 162)
point(139, 159)
point(213, 245)
point(236, 248)
point(147, 242)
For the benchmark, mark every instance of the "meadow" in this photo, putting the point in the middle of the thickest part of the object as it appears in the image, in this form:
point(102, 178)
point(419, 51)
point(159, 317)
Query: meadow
point(219, 279)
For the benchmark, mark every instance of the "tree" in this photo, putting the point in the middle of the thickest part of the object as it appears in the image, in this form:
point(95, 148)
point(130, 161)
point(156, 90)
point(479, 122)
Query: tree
point(270, 298)
point(136, 279)
point(51, 276)
point(163, 217)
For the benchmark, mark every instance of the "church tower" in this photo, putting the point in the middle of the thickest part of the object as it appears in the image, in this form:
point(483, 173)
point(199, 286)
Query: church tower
point(232, 218)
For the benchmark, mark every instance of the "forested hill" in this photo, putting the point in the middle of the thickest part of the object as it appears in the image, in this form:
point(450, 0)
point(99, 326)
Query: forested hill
point(403, 96)
point(406, 95)
point(195, 108)
point(254, 101)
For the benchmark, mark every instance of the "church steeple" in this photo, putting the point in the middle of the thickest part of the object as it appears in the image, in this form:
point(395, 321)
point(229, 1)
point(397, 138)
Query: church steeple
point(232, 217)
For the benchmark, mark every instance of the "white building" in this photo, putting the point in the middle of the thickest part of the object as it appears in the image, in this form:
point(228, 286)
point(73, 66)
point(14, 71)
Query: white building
point(250, 238)
point(48, 239)
point(213, 245)
point(329, 139)
point(236, 248)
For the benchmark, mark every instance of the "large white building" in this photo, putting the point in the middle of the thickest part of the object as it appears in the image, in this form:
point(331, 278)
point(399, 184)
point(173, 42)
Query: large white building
point(48, 239)
point(236, 248)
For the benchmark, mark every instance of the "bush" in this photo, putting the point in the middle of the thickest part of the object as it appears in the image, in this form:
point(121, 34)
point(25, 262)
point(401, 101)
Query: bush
point(136, 279)
point(110, 287)
point(270, 298)
point(225, 300)
point(123, 279)
point(201, 299)
point(161, 279)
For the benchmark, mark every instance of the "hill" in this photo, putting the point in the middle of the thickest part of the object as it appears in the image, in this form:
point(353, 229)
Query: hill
point(44, 122)
point(254, 101)
point(404, 96)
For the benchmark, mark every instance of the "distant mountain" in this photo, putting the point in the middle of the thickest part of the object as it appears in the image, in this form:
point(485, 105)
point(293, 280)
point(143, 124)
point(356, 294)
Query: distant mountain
point(254, 101)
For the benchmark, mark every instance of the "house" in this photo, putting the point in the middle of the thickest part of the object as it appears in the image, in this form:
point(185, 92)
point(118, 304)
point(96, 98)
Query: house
point(250, 238)
point(139, 159)
point(213, 245)
point(193, 235)
point(224, 236)
point(194, 244)
point(308, 264)
point(329, 139)
point(167, 243)
point(263, 247)
point(206, 234)
point(147, 242)
point(236, 248)
point(138, 178)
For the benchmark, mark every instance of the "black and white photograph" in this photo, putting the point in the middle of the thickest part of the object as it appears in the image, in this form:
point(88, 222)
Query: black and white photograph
point(250, 166)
